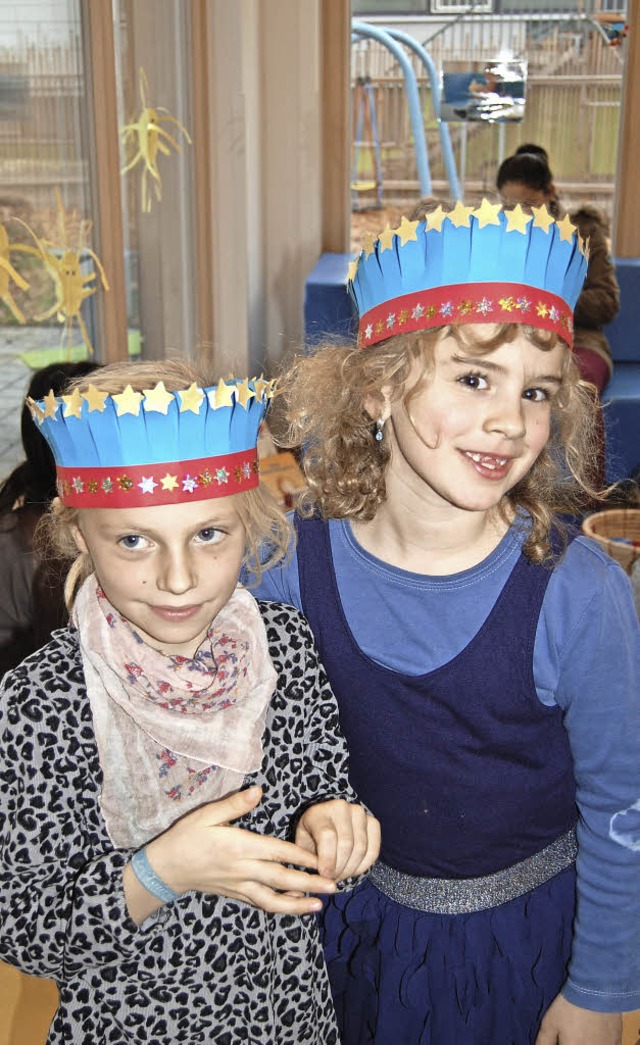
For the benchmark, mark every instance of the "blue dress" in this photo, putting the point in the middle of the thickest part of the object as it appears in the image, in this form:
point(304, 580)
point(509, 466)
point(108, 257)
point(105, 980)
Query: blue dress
point(469, 774)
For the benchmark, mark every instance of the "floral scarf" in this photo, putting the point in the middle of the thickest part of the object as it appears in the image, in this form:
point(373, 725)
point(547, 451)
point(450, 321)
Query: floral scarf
point(173, 732)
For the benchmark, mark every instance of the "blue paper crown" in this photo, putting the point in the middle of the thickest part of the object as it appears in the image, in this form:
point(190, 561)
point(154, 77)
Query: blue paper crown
point(484, 265)
point(154, 447)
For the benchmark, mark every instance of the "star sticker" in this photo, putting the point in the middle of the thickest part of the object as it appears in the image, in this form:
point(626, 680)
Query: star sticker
point(189, 483)
point(128, 402)
point(73, 404)
point(391, 318)
point(147, 485)
point(418, 312)
point(223, 395)
point(353, 268)
point(244, 393)
point(566, 229)
point(507, 304)
point(368, 333)
point(37, 412)
point(406, 231)
point(260, 385)
point(435, 218)
point(487, 213)
point(447, 309)
point(77, 484)
point(385, 238)
point(157, 399)
point(169, 482)
point(542, 310)
point(485, 306)
point(222, 476)
point(460, 215)
point(272, 388)
point(95, 399)
point(517, 219)
point(52, 404)
point(542, 218)
point(369, 244)
point(191, 398)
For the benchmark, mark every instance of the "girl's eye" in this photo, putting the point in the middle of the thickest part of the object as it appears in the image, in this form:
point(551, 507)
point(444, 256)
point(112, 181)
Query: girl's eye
point(537, 395)
point(133, 541)
point(210, 535)
point(474, 380)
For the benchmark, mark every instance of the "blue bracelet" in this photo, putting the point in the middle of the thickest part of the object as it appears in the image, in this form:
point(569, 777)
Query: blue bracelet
point(147, 877)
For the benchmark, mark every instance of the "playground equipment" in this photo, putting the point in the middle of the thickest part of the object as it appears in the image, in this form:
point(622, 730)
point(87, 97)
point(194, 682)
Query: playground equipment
point(392, 40)
point(366, 139)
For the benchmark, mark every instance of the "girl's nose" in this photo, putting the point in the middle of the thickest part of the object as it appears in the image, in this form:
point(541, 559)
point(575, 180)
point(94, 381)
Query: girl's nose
point(507, 417)
point(177, 574)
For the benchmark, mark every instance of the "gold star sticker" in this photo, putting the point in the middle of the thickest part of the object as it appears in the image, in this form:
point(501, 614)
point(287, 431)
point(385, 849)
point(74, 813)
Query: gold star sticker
point(566, 228)
point(584, 245)
point(487, 213)
point(127, 402)
point(191, 399)
point(37, 412)
point(95, 399)
point(369, 244)
point(260, 386)
point(517, 220)
point(244, 393)
point(272, 388)
point(542, 219)
point(73, 404)
point(385, 238)
point(169, 482)
point(353, 268)
point(435, 218)
point(223, 395)
point(406, 230)
point(460, 215)
point(157, 399)
point(52, 404)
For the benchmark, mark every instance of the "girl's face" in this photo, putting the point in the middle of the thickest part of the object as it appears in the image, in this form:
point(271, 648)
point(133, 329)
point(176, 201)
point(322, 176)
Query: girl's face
point(519, 192)
point(476, 426)
point(169, 569)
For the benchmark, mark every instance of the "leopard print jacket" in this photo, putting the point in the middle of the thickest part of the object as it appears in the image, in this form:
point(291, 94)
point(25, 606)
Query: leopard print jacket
point(204, 969)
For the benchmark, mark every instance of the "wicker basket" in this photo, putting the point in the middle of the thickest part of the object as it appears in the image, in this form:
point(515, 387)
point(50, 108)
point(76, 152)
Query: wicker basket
point(612, 529)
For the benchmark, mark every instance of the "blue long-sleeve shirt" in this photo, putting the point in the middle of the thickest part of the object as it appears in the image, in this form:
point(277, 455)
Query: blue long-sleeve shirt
point(586, 661)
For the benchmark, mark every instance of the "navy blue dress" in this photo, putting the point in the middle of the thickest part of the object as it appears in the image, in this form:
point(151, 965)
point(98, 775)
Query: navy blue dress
point(469, 774)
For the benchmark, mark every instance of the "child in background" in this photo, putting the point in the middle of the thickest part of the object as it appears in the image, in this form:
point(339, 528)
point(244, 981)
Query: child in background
point(486, 664)
point(174, 784)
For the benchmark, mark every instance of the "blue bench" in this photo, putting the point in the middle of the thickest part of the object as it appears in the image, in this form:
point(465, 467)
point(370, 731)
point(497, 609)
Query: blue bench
point(330, 312)
point(621, 397)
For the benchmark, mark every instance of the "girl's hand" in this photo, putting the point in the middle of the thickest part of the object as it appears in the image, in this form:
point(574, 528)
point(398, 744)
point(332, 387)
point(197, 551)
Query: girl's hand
point(568, 1024)
point(344, 837)
point(203, 852)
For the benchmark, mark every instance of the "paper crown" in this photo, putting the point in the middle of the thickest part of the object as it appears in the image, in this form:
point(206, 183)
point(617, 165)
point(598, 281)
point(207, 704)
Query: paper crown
point(154, 447)
point(484, 265)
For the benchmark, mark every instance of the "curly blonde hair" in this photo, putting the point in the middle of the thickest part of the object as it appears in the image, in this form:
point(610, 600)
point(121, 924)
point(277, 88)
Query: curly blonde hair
point(269, 534)
point(324, 402)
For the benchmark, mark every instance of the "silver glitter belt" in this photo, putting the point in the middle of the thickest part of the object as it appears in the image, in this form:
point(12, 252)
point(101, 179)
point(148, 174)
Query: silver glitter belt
point(465, 895)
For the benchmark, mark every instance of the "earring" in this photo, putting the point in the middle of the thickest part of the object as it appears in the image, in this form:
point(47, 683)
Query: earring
point(379, 434)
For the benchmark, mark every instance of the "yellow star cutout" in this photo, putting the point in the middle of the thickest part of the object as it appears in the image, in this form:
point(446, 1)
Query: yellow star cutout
point(369, 244)
point(191, 399)
point(517, 219)
point(435, 218)
point(566, 228)
point(223, 395)
point(260, 386)
point(542, 218)
point(487, 213)
point(73, 404)
point(386, 238)
point(244, 393)
point(95, 399)
point(353, 268)
point(37, 412)
point(52, 404)
point(127, 402)
point(406, 231)
point(273, 388)
point(169, 482)
point(460, 215)
point(157, 399)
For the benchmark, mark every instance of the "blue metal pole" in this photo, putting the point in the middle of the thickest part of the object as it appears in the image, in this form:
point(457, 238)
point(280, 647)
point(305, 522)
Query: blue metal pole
point(413, 98)
point(443, 127)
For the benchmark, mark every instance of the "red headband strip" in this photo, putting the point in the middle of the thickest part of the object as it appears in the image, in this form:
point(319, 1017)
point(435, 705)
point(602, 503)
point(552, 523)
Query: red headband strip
point(175, 482)
point(466, 303)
